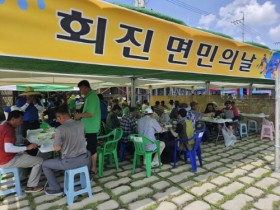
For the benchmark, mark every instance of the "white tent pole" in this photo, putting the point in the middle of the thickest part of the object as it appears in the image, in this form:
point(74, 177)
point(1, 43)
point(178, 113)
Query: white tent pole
point(127, 93)
point(250, 89)
point(207, 88)
point(277, 106)
point(132, 102)
point(222, 92)
point(150, 93)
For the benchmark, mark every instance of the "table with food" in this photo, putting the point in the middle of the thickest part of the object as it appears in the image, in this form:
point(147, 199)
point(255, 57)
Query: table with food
point(42, 137)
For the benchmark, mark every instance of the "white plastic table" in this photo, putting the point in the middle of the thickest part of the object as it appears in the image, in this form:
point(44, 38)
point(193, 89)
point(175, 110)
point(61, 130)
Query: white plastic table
point(261, 115)
point(217, 121)
point(41, 137)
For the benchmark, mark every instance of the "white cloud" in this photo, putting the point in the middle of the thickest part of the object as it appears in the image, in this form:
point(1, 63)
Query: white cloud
point(206, 20)
point(265, 14)
point(260, 17)
point(256, 14)
point(274, 33)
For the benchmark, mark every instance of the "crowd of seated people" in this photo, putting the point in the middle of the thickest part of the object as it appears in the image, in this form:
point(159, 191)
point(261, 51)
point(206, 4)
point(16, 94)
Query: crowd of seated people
point(151, 121)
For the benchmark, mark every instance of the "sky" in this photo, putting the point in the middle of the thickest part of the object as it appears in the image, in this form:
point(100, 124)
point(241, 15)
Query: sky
point(261, 17)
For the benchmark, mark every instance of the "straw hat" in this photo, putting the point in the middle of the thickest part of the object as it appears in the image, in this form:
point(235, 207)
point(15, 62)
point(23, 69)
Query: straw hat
point(29, 91)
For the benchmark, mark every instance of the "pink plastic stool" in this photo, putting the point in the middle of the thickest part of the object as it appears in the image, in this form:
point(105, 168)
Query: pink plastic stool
point(267, 131)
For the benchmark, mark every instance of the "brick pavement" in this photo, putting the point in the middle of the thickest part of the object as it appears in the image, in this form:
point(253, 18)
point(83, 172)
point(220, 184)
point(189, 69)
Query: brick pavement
point(237, 178)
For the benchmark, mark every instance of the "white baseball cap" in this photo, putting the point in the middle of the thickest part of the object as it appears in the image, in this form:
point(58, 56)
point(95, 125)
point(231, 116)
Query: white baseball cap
point(148, 110)
point(13, 108)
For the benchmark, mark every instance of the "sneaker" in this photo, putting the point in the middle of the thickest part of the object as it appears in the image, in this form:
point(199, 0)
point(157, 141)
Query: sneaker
point(156, 164)
point(54, 193)
point(33, 189)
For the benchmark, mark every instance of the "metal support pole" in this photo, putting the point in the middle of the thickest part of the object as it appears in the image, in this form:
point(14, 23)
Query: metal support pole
point(251, 89)
point(277, 106)
point(133, 91)
point(207, 88)
point(127, 93)
point(150, 94)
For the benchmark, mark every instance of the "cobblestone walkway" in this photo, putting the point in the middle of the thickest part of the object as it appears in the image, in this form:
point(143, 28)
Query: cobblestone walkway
point(237, 178)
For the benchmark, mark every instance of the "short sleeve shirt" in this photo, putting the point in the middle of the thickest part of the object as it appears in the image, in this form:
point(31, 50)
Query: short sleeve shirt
point(70, 136)
point(148, 126)
point(92, 105)
point(7, 135)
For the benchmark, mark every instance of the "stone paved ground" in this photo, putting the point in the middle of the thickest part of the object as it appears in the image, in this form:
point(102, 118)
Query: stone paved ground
point(237, 178)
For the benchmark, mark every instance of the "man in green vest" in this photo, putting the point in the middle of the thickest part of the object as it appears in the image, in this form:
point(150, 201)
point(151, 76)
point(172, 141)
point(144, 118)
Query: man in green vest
point(91, 117)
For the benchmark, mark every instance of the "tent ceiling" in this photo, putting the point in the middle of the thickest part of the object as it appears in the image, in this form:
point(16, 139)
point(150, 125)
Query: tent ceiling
point(25, 70)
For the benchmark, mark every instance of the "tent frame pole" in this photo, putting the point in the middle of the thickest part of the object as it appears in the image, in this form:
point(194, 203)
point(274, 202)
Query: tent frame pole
point(277, 106)
point(133, 91)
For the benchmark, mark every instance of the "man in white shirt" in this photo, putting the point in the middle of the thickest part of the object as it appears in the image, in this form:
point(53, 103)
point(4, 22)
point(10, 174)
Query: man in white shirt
point(148, 126)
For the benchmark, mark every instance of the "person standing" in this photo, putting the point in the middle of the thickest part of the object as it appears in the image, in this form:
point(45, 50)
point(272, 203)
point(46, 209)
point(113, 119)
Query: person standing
point(91, 117)
point(29, 103)
point(12, 156)
point(70, 141)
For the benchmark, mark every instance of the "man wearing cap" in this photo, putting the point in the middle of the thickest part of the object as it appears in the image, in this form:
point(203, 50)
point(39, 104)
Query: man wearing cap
point(91, 117)
point(148, 126)
point(12, 156)
point(30, 105)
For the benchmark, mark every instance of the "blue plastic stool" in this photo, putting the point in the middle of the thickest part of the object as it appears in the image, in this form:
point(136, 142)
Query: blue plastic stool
point(243, 129)
point(69, 183)
point(16, 182)
point(252, 125)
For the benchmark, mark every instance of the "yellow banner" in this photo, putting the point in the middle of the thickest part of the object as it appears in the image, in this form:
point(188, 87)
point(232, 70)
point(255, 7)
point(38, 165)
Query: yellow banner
point(92, 31)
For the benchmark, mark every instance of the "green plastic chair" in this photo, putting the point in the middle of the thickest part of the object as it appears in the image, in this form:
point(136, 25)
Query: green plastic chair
point(44, 125)
point(109, 148)
point(139, 142)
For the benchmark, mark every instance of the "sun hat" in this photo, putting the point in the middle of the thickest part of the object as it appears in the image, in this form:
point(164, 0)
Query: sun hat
point(29, 91)
point(148, 111)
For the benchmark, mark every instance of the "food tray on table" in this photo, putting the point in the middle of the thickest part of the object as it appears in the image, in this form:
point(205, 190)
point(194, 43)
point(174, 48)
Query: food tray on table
point(42, 137)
